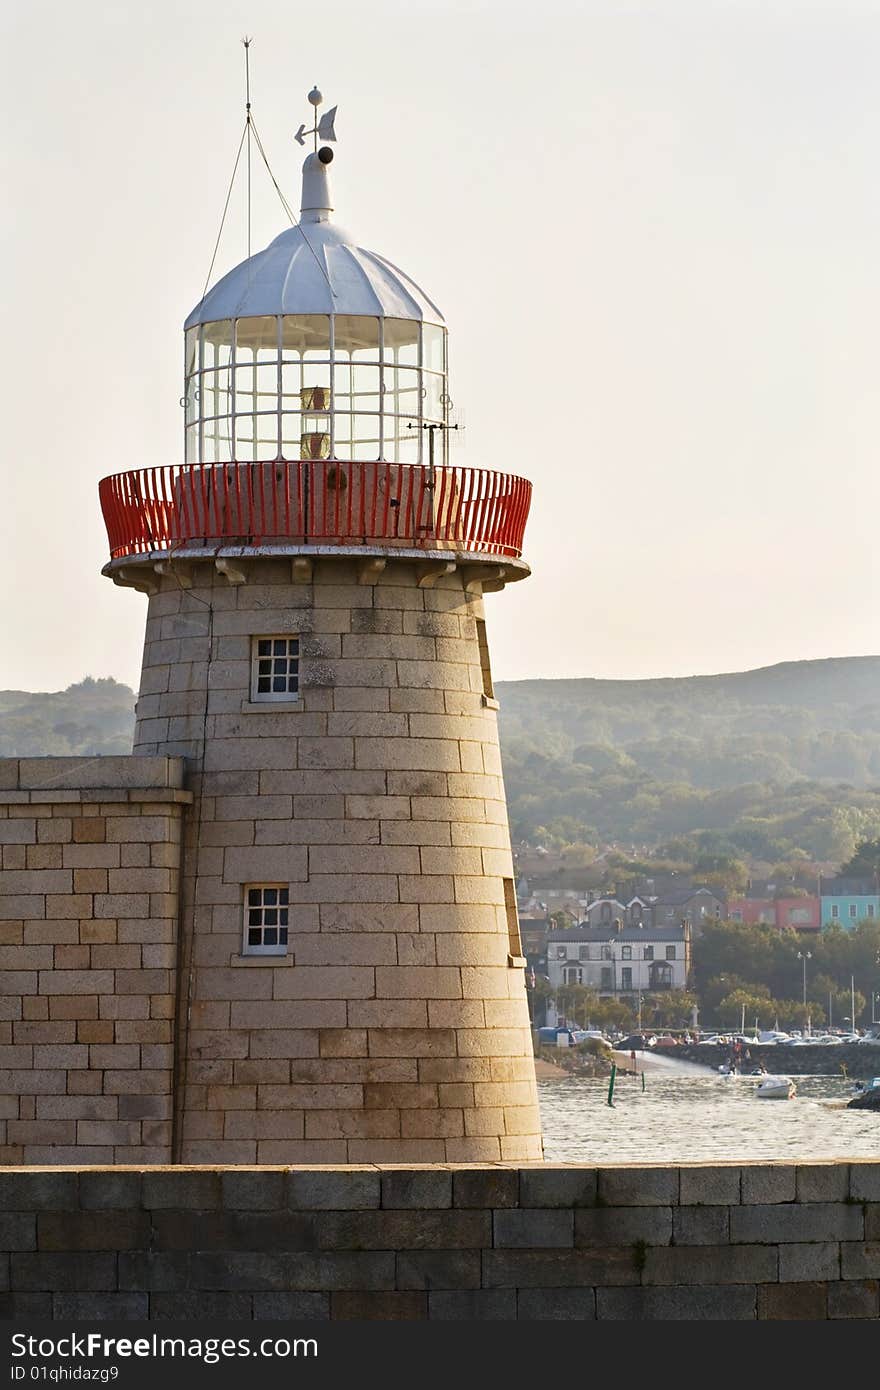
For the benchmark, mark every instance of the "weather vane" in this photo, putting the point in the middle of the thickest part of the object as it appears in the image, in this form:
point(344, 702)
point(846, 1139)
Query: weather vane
point(322, 128)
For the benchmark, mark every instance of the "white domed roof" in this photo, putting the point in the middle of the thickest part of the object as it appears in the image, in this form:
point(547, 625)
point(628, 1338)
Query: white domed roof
point(315, 268)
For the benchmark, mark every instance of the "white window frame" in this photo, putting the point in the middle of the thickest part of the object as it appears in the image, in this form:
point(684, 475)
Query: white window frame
point(835, 911)
point(281, 907)
point(273, 697)
point(853, 910)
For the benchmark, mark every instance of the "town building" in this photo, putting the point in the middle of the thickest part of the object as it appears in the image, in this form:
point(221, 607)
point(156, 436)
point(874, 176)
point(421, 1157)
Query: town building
point(752, 911)
point(847, 901)
point(692, 905)
point(799, 912)
point(620, 959)
point(285, 929)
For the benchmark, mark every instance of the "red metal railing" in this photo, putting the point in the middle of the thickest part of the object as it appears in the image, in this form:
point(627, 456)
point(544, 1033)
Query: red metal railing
point(314, 502)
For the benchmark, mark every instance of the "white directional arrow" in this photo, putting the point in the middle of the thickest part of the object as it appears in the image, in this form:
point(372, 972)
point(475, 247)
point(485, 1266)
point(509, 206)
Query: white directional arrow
point(300, 135)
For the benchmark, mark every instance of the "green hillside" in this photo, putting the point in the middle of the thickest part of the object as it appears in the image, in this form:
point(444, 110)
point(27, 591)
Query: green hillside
point(91, 717)
point(770, 762)
point(769, 765)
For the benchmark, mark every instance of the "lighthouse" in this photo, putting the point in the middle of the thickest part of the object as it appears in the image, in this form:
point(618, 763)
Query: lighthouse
point(350, 983)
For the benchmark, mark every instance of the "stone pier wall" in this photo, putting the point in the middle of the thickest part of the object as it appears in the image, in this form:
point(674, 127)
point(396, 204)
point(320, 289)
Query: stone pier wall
point(89, 870)
point(540, 1242)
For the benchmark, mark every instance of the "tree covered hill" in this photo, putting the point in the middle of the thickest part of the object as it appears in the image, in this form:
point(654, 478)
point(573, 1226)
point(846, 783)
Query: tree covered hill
point(770, 764)
point(95, 716)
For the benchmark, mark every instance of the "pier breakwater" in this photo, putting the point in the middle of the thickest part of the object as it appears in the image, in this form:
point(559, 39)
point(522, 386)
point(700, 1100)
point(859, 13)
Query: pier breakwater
point(740, 1241)
point(857, 1060)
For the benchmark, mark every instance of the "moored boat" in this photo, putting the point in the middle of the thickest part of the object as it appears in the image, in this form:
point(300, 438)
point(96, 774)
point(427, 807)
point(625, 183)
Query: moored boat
point(776, 1088)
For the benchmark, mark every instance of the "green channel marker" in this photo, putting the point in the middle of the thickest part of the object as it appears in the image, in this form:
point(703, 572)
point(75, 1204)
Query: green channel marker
point(611, 1083)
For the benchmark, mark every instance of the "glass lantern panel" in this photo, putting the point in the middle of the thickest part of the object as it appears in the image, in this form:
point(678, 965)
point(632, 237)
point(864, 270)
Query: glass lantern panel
point(291, 383)
point(401, 341)
point(357, 337)
point(191, 452)
point(191, 351)
point(342, 435)
point(342, 386)
point(266, 440)
point(316, 374)
point(217, 441)
point(401, 391)
point(244, 437)
point(365, 388)
point(256, 337)
point(217, 343)
point(291, 429)
point(244, 390)
point(215, 394)
point(433, 348)
point(365, 437)
point(306, 336)
point(400, 444)
point(434, 388)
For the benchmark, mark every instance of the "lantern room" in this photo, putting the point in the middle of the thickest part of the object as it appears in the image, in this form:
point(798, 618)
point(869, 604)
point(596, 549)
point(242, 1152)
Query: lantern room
point(314, 349)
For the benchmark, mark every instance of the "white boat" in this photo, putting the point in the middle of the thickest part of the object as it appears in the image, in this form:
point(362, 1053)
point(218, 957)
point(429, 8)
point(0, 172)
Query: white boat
point(776, 1088)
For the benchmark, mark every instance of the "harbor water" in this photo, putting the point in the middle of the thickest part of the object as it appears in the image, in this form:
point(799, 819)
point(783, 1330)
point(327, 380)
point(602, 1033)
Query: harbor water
point(687, 1113)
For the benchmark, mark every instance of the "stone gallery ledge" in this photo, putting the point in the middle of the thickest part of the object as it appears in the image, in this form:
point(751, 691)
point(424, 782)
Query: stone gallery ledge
point(500, 1241)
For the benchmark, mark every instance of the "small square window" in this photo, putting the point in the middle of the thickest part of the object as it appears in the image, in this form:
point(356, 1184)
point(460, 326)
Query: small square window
point(267, 920)
point(274, 669)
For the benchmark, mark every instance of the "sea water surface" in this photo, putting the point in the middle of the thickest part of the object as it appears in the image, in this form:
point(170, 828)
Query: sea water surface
point(687, 1113)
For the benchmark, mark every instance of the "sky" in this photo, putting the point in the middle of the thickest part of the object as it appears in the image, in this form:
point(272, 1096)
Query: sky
point(653, 227)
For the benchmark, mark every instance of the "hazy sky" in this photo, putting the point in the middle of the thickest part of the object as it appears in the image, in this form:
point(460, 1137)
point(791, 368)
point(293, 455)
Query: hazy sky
point(653, 227)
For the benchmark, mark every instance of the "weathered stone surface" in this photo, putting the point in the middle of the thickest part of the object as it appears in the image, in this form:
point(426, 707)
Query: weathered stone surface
point(710, 1184)
point(655, 1186)
point(481, 1305)
point(815, 1221)
point(809, 1261)
point(624, 1226)
point(735, 1303)
point(556, 1305)
point(768, 1183)
point(416, 1189)
point(822, 1182)
point(704, 1264)
point(854, 1299)
point(800, 1302)
point(548, 1186)
point(533, 1229)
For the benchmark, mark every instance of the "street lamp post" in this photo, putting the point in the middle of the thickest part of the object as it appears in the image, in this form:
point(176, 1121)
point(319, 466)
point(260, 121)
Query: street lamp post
point(804, 957)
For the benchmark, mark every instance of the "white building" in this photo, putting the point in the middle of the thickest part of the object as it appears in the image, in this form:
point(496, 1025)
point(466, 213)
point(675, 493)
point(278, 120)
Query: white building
point(615, 959)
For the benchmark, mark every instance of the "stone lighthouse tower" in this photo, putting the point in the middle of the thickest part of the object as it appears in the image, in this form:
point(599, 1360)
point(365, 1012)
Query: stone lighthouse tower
point(350, 982)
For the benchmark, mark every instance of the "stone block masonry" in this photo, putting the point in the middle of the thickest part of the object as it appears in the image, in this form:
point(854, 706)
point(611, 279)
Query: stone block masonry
point(395, 1027)
point(448, 1242)
point(89, 875)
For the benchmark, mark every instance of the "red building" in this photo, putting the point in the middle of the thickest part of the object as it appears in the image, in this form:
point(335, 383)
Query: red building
point(803, 913)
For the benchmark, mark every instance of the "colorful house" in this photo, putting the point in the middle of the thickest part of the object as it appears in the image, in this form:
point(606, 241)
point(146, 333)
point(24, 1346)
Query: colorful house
point(803, 914)
point(848, 901)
